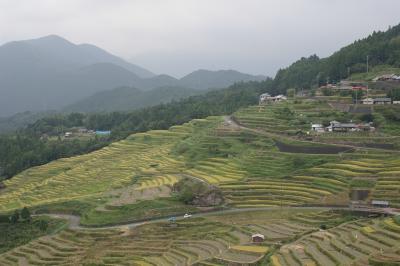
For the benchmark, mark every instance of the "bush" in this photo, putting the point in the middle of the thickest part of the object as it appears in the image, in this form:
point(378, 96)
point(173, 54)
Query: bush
point(4, 218)
point(25, 214)
point(298, 162)
point(397, 219)
point(14, 217)
point(42, 225)
point(196, 192)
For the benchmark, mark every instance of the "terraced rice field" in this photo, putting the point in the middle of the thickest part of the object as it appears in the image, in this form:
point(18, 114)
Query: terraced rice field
point(142, 158)
point(327, 183)
point(217, 170)
point(250, 171)
point(221, 240)
point(248, 168)
point(284, 117)
point(215, 240)
point(346, 244)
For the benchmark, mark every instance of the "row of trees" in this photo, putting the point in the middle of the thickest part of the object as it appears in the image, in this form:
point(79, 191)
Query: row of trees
point(23, 150)
point(23, 215)
point(26, 148)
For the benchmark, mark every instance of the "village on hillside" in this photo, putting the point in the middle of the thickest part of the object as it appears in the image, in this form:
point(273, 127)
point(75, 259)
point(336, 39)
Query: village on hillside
point(348, 96)
point(358, 106)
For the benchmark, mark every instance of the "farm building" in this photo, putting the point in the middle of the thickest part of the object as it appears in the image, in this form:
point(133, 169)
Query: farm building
point(396, 102)
point(257, 238)
point(328, 86)
point(382, 101)
point(387, 77)
point(336, 126)
point(317, 128)
point(380, 203)
point(359, 88)
point(266, 98)
point(376, 101)
point(103, 132)
point(367, 101)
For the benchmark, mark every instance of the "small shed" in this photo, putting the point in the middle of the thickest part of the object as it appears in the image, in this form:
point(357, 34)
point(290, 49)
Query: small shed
point(396, 102)
point(257, 238)
point(103, 132)
point(264, 97)
point(368, 101)
point(317, 128)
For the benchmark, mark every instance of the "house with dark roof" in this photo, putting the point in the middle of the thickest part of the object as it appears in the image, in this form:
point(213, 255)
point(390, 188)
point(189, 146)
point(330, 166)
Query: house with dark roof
point(382, 101)
point(336, 126)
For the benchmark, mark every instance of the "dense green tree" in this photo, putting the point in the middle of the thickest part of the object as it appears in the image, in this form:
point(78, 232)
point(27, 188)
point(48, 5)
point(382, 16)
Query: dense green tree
point(14, 217)
point(25, 214)
point(291, 93)
point(357, 95)
point(43, 225)
point(394, 94)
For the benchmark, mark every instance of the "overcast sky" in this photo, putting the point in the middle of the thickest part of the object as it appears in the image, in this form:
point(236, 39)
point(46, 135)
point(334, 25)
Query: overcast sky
point(178, 36)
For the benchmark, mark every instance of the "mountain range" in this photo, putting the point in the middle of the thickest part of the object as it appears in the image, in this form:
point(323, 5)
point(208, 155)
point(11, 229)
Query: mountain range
point(51, 73)
point(127, 98)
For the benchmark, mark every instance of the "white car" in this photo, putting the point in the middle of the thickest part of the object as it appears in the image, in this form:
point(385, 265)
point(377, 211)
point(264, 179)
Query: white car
point(187, 215)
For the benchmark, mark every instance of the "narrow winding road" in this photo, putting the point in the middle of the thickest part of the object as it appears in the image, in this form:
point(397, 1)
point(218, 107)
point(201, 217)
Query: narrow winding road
point(74, 220)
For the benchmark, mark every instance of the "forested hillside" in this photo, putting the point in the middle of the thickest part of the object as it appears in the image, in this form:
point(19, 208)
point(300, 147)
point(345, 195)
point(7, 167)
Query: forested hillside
point(380, 47)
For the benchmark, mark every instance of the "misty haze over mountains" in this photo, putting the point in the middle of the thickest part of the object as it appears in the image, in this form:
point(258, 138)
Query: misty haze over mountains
point(51, 73)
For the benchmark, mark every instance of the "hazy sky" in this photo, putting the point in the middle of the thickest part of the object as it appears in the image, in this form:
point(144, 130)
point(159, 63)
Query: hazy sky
point(178, 36)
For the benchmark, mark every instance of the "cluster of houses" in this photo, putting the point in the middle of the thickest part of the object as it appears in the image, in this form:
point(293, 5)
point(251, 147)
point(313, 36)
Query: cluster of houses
point(336, 126)
point(80, 131)
point(387, 77)
point(266, 98)
point(345, 85)
point(75, 131)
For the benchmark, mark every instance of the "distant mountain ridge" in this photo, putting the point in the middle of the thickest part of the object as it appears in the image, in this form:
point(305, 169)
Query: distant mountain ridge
point(128, 99)
point(51, 72)
point(205, 79)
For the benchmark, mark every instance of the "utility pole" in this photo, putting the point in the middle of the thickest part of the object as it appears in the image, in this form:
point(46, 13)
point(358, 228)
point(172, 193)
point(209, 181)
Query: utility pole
point(356, 96)
point(367, 75)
